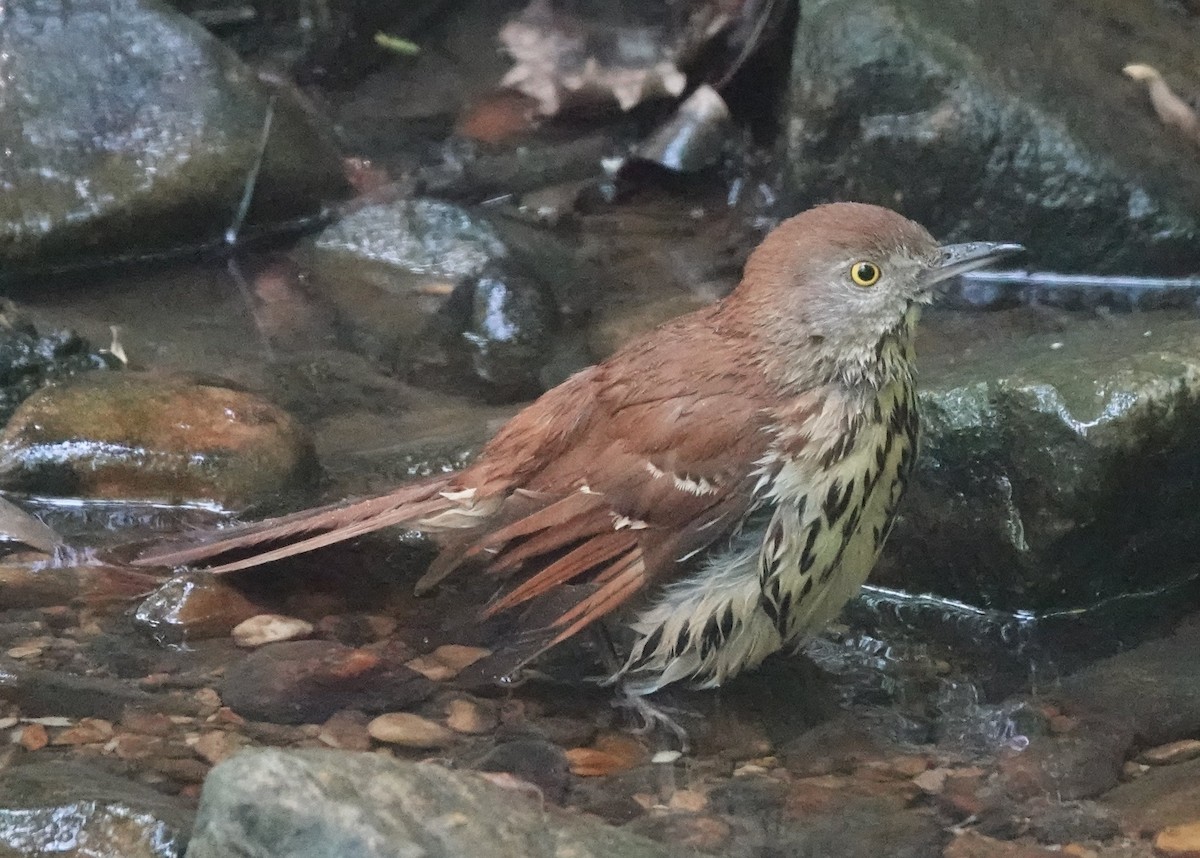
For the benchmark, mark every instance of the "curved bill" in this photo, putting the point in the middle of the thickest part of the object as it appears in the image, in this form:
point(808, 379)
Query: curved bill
point(961, 258)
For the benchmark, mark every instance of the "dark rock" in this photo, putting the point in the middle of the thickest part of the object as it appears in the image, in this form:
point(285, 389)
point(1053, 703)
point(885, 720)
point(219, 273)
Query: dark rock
point(78, 810)
point(131, 131)
point(1152, 690)
point(134, 436)
point(1067, 767)
point(1161, 797)
point(193, 606)
point(28, 359)
point(320, 803)
point(27, 585)
point(300, 682)
point(540, 763)
point(48, 692)
point(1057, 468)
point(1052, 820)
point(996, 122)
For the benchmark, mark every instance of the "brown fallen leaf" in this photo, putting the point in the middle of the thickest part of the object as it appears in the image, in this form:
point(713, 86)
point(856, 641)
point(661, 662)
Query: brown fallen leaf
point(1172, 110)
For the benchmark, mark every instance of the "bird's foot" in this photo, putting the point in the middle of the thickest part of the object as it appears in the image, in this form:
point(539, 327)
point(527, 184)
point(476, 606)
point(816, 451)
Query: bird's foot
point(650, 717)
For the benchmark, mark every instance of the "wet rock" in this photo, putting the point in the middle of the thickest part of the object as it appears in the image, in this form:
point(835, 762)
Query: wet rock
point(194, 606)
point(916, 104)
point(134, 436)
point(1052, 820)
point(145, 153)
point(78, 810)
point(269, 628)
point(534, 761)
point(314, 803)
point(35, 585)
point(28, 359)
point(410, 731)
point(1160, 798)
point(301, 682)
point(415, 237)
point(356, 629)
point(1152, 690)
point(49, 692)
point(1068, 767)
point(1055, 469)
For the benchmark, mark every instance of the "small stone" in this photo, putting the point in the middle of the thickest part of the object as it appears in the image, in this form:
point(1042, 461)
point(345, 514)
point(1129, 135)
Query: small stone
point(269, 628)
point(50, 721)
point(470, 717)
point(1078, 850)
point(409, 731)
point(89, 731)
point(533, 761)
point(932, 781)
point(909, 767)
point(209, 700)
point(688, 800)
point(149, 723)
point(1172, 752)
point(1179, 841)
point(133, 746)
point(216, 746)
point(609, 754)
point(6, 723)
point(664, 757)
point(447, 661)
point(28, 649)
point(33, 737)
point(356, 629)
point(346, 730)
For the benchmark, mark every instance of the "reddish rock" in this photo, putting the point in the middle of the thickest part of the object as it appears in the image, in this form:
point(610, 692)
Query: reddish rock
point(34, 737)
point(193, 606)
point(300, 682)
point(139, 436)
point(1081, 764)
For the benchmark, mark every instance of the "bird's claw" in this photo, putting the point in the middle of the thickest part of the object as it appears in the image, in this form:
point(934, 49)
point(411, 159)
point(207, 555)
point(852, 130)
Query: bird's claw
point(652, 717)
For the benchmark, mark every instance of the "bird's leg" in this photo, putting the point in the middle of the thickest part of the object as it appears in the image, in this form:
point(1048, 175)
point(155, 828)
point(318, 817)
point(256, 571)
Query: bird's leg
point(652, 716)
point(646, 715)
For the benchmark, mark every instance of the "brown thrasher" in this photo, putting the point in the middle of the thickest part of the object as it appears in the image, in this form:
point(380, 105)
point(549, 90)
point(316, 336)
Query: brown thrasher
point(720, 486)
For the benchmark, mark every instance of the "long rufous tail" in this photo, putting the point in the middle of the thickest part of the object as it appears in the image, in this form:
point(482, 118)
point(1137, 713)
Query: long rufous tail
point(275, 538)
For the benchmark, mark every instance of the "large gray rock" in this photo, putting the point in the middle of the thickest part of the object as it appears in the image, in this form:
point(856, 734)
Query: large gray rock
point(76, 810)
point(1056, 469)
point(997, 120)
point(288, 804)
point(126, 128)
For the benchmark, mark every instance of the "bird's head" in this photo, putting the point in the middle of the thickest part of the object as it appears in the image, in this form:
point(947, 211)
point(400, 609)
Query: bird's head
point(838, 288)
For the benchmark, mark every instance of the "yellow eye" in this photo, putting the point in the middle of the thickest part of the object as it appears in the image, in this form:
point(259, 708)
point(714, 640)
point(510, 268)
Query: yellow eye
point(865, 273)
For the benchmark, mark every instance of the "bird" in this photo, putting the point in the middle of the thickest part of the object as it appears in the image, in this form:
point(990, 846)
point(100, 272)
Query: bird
point(713, 492)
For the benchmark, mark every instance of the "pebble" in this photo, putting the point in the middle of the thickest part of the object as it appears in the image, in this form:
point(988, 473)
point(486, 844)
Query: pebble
point(409, 731)
point(346, 730)
point(688, 800)
point(215, 746)
point(89, 731)
point(447, 661)
point(609, 754)
point(972, 845)
point(470, 717)
point(269, 628)
point(1179, 841)
point(33, 737)
point(28, 649)
point(1172, 752)
point(932, 781)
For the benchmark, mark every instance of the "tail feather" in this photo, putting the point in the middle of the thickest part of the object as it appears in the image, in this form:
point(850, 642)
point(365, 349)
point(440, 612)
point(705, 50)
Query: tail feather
point(299, 532)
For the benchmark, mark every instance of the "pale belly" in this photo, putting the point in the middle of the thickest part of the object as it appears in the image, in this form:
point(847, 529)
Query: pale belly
point(794, 566)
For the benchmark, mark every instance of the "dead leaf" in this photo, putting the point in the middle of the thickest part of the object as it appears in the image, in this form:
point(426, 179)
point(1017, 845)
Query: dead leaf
point(609, 754)
point(617, 52)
